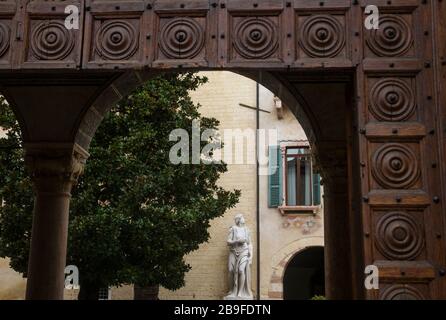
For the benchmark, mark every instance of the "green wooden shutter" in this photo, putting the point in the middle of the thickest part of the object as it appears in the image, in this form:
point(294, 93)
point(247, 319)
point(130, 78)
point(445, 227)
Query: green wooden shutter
point(274, 177)
point(316, 189)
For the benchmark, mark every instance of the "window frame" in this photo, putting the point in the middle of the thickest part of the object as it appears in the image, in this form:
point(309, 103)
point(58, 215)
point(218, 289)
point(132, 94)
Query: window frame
point(104, 291)
point(285, 173)
point(286, 209)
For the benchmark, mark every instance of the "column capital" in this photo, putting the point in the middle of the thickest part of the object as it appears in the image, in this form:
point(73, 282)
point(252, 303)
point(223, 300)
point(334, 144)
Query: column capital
point(64, 161)
point(54, 168)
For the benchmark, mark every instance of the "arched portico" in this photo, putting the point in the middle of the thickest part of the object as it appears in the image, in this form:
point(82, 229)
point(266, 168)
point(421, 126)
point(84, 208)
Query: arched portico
point(282, 258)
point(369, 100)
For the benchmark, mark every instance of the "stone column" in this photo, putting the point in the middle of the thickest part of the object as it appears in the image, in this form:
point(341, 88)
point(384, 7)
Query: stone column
point(54, 170)
point(338, 274)
point(331, 159)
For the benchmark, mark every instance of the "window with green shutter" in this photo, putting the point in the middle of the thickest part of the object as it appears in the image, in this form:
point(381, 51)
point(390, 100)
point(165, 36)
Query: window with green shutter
point(302, 185)
point(274, 177)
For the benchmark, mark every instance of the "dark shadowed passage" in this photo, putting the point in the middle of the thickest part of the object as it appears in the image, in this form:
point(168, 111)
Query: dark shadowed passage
point(304, 275)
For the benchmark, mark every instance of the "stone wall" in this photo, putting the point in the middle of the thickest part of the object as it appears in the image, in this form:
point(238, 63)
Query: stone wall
point(12, 285)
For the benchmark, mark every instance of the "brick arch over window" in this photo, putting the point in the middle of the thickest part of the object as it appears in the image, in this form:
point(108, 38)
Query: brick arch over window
point(281, 259)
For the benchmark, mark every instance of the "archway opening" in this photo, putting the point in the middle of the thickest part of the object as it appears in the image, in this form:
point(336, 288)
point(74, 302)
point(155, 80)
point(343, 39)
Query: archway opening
point(304, 275)
point(322, 102)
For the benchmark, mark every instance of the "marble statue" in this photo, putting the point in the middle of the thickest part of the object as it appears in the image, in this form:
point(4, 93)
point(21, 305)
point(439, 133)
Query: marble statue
point(240, 260)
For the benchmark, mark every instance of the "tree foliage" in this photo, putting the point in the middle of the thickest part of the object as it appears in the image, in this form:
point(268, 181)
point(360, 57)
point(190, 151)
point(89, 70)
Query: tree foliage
point(134, 215)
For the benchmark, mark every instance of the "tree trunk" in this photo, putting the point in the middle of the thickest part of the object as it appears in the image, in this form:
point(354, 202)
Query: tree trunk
point(146, 293)
point(89, 291)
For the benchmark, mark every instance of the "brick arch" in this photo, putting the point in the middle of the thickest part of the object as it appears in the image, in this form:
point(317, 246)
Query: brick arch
point(281, 260)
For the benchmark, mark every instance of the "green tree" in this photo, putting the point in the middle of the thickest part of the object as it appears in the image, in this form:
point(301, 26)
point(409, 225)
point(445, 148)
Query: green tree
point(134, 215)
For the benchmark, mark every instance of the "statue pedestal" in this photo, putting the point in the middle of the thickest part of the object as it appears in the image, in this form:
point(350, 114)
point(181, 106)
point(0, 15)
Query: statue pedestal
point(237, 298)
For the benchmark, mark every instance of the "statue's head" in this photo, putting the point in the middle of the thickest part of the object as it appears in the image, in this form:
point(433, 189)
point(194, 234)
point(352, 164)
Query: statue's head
point(239, 219)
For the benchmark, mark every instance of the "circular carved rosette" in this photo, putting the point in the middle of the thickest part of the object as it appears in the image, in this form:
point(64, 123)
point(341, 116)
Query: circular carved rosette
point(50, 40)
point(392, 100)
point(395, 166)
point(181, 38)
point(116, 40)
point(256, 38)
point(393, 38)
point(402, 292)
point(399, 236)
point(4, 38)
point(322, 36)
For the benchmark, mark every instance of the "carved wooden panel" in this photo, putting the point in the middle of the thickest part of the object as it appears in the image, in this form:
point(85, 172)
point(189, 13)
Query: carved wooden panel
point(394, 38)
point(392, 99)
point(181, 33)
point(181, 37)
point(255, 38)
point(402, 291)
point(399, 234)
point(323, 32)
point(254, 32)
point(401, 206)
point(321, 36)
point(46, 40)
point(7, 28)
point(395, 165)
point(115, 35)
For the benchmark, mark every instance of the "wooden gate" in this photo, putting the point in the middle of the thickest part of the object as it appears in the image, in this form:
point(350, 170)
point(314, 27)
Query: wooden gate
point(399, 93)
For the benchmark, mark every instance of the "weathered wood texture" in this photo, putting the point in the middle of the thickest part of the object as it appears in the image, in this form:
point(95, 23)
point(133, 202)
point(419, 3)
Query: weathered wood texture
point(385, 146)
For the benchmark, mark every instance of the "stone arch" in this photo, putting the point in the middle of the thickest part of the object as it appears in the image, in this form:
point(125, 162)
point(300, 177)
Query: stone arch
point(281, 259)
point(89, 120)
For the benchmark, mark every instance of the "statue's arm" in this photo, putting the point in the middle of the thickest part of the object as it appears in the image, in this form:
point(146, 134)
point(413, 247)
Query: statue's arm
point(230, 240)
